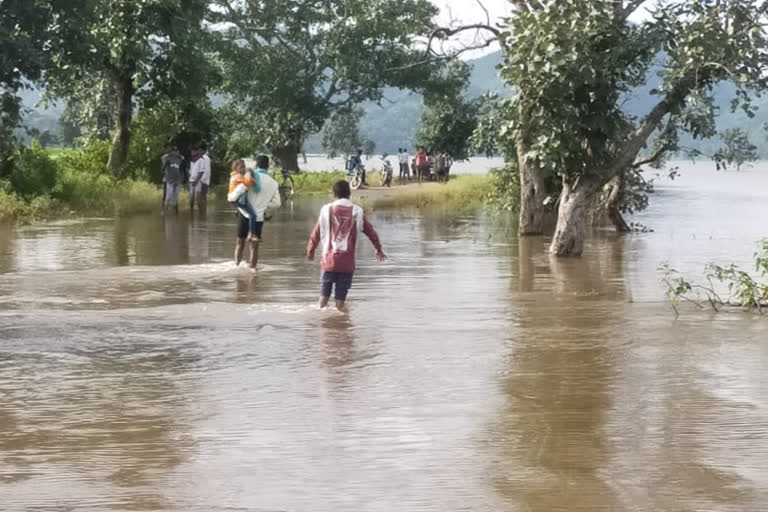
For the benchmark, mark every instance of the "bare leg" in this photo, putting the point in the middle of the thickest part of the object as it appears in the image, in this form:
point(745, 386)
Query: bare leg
point(324, 302)
point(239, 248)
point(341, 306)
point(254, 253)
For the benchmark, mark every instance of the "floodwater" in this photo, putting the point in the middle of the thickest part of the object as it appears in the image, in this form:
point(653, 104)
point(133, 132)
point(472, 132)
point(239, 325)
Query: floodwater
point(139, 370)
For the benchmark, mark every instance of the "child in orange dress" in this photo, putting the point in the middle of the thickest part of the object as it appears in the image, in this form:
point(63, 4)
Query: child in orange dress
point(243, 180)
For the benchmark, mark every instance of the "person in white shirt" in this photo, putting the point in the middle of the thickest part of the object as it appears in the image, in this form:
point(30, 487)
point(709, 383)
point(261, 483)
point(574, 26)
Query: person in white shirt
point(199, 179)
point(264, 194)
point(405, 169)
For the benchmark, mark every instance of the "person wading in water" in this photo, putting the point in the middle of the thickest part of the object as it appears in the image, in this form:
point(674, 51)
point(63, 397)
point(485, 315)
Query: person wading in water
point(336, 233)
point(263, 194)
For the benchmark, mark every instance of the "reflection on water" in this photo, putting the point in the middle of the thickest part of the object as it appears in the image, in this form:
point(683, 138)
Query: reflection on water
point(139, 370)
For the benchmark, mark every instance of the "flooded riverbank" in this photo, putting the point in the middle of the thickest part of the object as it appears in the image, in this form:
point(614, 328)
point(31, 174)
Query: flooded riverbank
point(139, 370)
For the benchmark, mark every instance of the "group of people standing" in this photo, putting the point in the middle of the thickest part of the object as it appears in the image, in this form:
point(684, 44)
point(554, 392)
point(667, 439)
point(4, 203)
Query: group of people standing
point(178, 171)
point(423, 164)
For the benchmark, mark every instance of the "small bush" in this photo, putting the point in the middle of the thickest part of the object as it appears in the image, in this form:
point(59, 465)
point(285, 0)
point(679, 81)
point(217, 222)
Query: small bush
point(91, 158)
point(136, 197)
point(11, 206)
point(315, 182)
point(504, 192)
point(34, 173)
point(83, 191)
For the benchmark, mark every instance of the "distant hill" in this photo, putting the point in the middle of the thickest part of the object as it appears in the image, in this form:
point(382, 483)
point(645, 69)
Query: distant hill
point(396, 121)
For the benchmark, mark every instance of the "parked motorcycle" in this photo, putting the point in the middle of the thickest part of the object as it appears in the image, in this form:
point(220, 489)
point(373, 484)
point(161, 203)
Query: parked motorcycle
point(386, 172)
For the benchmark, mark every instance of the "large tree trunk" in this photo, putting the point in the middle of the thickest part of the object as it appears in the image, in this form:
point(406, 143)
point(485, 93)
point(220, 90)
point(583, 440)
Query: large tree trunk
point(613, 204)
point(287, 156)
point(533, 192)
point(122, 139)
point(572, 218)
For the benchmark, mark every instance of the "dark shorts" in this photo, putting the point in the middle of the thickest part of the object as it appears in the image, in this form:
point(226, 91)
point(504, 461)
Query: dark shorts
point(243, 226)
point(342, 280)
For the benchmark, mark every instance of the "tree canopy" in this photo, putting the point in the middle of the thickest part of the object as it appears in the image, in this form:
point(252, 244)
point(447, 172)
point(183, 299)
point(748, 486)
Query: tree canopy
point(142, 51)
point(289, 65)
point(572, 61)
point(341, 134)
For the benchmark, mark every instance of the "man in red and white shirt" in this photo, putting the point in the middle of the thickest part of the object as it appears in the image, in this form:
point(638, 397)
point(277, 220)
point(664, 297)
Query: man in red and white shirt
point(336, 232)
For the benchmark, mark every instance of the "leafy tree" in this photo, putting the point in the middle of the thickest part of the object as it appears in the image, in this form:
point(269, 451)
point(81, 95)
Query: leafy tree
point(292, 64)
point(737, 149)
point(369, 148)
point(142, 50)
point(92, 108)
point(341, 134)
point(565, 119)
point(23, 56)
point(447, 124)
point(68, 132)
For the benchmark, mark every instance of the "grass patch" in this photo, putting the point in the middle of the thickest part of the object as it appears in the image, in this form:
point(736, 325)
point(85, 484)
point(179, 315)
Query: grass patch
point(461, 192)
point(315, 183)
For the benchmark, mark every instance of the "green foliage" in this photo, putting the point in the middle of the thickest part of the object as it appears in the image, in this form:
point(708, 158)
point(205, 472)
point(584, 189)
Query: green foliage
point(23, 39)
point(737, 149)
point(46, 184)
point(108, 53)
point(310, 183)
point(341, 133)
point(505, 188)
point(89, 159)
point(183, 123)
point(33, 174)
point(368, 147)
point(569, 82)
point(743, 290)
point(491, 135)
point(447, 124)
point(291, 65)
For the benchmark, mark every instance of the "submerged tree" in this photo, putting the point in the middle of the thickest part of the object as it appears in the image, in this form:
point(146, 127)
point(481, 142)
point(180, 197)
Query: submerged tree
point(571, 62)
point(737, 149)
point(292, 64)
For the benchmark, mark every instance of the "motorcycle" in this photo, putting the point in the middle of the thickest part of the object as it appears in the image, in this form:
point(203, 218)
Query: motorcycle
point(354, 174)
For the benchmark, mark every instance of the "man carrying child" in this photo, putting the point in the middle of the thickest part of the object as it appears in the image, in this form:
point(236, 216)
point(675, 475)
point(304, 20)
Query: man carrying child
point(253, 193)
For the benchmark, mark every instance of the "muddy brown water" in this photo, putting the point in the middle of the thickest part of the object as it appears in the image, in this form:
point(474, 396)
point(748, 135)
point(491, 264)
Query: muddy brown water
point(140, 371)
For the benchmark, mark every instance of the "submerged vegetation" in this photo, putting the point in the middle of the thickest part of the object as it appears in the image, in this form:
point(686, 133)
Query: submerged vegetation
point(723, 286)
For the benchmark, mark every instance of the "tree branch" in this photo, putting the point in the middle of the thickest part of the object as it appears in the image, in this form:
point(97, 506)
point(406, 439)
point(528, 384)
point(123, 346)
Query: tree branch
point(444, 32)
point(652, 158)
point(631, 7)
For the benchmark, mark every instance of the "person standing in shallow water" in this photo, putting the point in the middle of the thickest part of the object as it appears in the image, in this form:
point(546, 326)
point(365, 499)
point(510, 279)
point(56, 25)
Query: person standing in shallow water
point(263, 194)
point(336, 233)
point(172, 162)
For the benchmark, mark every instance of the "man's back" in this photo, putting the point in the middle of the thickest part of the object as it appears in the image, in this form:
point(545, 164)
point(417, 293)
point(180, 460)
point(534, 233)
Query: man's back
point(266, 197)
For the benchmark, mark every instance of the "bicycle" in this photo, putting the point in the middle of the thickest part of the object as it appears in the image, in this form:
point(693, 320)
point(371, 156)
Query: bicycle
point(285, 186)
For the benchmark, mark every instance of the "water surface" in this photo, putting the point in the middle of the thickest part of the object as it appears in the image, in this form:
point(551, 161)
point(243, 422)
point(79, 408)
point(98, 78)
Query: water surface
point(139, 370)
